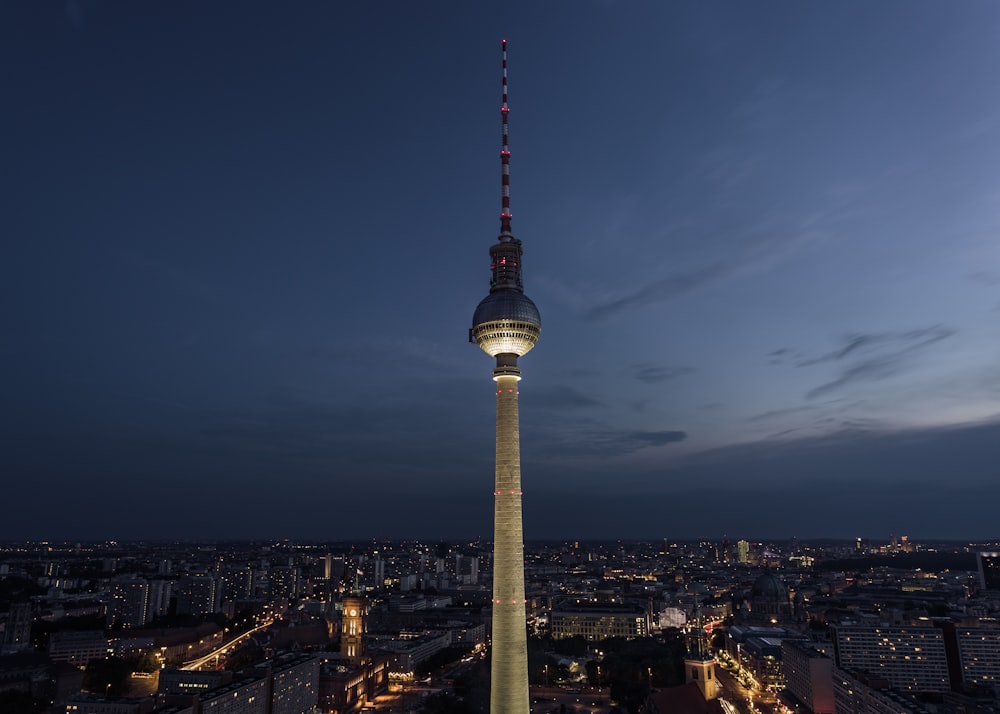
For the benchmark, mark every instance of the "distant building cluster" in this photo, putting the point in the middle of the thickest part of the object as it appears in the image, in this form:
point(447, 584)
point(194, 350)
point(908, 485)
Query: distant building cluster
point(229, 628)
point(832, 628)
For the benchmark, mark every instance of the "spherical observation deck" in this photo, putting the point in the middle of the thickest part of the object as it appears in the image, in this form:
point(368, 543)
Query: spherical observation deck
point(506, 322)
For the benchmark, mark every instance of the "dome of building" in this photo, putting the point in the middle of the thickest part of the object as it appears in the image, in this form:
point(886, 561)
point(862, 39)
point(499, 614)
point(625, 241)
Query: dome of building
point(768, 585)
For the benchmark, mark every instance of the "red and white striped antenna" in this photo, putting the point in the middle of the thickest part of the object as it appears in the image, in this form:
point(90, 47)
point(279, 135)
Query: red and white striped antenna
point(505, 215)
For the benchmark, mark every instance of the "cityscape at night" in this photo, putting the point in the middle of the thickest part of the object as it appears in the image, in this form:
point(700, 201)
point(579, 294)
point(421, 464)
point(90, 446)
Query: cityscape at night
point(254, 463)
point(404, 626)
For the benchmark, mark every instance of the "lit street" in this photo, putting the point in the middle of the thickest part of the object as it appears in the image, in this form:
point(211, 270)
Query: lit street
point(733, 692)
point(213, 658)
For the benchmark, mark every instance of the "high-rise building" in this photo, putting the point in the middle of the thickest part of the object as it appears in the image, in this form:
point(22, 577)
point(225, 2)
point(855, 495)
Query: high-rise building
point(979, 655)
point(989, 570)
point(16, 635)
point(467, 569)
point(294, 681)
point(160, 592)
point(333, 572)
point(506, 325)
point(129, 604)
point(286, 582)
point(378, 573)
point(235, 583)
point(743, 551)
point(808, 676)
point(867, 693)
point(197, 594)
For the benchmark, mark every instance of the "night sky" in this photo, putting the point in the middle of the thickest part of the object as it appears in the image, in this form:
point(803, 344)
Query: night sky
point(243, 242)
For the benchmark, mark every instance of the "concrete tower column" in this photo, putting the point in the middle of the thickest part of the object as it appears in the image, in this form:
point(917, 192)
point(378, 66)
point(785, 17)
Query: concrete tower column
point(509, 690)
point(506, 326)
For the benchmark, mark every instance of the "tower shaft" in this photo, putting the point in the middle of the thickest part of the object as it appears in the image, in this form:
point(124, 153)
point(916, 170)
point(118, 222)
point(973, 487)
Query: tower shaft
point(506, 326)
point(509, 685)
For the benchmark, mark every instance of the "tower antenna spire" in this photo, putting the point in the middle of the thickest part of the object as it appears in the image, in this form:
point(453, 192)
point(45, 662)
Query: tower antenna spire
point(505, 215)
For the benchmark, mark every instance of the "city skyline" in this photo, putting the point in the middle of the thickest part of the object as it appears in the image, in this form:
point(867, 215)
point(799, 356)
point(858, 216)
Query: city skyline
point(763, 240)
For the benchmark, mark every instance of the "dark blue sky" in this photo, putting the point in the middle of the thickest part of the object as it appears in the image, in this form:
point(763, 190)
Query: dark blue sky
point(243, 243)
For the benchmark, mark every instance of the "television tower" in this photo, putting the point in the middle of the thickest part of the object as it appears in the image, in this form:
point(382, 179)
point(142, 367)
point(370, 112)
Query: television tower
point(506, 326)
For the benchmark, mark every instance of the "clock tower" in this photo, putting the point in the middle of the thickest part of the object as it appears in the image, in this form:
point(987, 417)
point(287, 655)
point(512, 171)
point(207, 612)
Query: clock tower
point(353, 624)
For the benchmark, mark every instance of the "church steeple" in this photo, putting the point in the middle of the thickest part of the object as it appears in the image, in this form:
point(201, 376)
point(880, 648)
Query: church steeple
point(695, 638)
point(699, 663)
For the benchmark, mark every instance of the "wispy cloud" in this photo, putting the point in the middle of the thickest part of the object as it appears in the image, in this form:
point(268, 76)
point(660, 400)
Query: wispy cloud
point(897, 342)
point(662, 290)
point(872, 370)
point(407, 352)
point(989, 278)
point(593, 440)
point(778, 413)
point(782, 355)
point(562, 397)
point(872, 357)
point(758, 246)
point(655, 373)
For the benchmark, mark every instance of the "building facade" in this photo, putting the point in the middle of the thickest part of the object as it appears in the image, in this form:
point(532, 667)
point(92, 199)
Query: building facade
point(911, 659)
point(979, 655)
point(863, 694)
point(597, 621)
point(78, 647)
point(808, 676)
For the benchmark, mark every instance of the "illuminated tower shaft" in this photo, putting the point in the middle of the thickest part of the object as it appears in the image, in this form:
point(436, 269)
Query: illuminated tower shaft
point(509, 682)
point(506, 326)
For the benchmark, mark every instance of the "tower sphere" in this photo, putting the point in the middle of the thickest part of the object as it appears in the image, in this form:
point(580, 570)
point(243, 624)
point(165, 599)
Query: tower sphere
point(506, 322)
